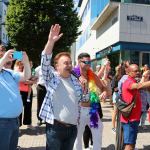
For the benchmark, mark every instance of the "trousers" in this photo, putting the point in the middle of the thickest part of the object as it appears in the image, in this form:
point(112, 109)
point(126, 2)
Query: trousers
point(96, 132)
point(9, 133)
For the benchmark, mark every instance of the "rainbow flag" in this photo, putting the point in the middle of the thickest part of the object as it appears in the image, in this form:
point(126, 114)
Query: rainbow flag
point(94, 99)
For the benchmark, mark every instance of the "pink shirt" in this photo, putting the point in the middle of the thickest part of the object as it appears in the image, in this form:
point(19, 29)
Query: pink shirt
point(127, 95)
point(23, 87)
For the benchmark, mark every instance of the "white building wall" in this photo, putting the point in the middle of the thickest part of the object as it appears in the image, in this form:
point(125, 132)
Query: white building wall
point(105, 36)
point(109, 37)
point(135, 31)
point(108, 33)
point(89, 46)
point(3, 34)
point(84, 3)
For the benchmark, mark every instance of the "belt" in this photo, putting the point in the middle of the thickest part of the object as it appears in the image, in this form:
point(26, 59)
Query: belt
point(85, 104)
point(57, 122)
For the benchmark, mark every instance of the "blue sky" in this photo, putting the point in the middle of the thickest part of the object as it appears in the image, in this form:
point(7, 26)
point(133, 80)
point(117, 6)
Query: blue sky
point(76, 2)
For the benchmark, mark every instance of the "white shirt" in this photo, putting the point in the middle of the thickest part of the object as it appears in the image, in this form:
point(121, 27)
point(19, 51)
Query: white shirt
point(38, 73)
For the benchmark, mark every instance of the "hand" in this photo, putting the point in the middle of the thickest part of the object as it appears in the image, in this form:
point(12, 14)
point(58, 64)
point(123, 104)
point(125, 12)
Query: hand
point(103, 95)
point(82, 80)
point(54, 33)
point(25, 58)
point(8, 55)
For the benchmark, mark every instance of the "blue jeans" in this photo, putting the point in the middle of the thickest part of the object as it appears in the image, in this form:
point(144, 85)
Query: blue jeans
point(9, 133)
point(60, 137)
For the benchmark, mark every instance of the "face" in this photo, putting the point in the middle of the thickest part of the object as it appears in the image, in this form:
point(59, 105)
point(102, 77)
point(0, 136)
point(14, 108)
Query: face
point(146, 67)
point(146, 75)
point(134, 71)
point(8, 65)
point(2, 52)
point(64, 66)
point(19, 67)
point(85, 63)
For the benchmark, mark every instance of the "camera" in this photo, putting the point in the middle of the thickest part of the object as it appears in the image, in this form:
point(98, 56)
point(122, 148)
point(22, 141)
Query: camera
point(18, 55)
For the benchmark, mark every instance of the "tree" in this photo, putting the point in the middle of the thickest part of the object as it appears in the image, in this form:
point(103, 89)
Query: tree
point(28, 23)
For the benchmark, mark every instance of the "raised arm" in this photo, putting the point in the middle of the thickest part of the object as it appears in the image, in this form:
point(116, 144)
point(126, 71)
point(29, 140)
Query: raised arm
point(52, 38)
point(47, 69)
point(26, 74)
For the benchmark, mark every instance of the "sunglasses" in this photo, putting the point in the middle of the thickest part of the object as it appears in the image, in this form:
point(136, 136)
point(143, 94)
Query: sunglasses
point(86, 62)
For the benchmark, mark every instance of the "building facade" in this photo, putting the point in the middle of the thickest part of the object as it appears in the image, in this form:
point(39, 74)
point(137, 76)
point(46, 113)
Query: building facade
point(3, 10)
point(117, 29)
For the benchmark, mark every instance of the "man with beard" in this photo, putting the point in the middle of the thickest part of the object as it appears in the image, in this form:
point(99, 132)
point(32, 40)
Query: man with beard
point(91, 85)
point(60, 107)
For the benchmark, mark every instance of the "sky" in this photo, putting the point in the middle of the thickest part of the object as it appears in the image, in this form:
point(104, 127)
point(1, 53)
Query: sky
point(76, 2)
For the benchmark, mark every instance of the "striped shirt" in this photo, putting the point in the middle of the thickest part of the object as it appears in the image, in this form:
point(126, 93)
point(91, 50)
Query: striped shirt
point(52, 80)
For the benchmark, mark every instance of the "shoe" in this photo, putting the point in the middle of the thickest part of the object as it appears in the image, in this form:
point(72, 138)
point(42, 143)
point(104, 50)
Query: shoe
point(91, 147)
point(31, 127)
point(144, 127)
point(39, 123)
point(18, 148)
point(114, 130)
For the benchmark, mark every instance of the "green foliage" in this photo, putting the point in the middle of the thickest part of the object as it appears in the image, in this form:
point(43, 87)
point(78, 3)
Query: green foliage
point(28, 24)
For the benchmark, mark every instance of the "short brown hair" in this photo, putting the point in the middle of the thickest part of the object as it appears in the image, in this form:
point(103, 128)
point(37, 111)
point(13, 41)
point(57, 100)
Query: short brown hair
point(57, 57)
point(2, 47)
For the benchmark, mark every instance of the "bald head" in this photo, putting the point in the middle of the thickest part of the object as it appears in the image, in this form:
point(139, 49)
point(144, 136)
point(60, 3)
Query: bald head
point(133, 70)
point(132, 67)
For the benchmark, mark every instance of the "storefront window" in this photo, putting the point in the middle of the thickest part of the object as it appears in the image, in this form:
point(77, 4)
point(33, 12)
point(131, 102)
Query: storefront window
point(134, 57)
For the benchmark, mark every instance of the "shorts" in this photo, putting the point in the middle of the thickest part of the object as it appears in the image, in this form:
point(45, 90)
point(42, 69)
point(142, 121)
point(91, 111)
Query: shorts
point(130, 131)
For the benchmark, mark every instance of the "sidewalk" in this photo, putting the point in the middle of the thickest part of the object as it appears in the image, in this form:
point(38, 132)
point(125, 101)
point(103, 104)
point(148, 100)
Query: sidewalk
point(35, 139)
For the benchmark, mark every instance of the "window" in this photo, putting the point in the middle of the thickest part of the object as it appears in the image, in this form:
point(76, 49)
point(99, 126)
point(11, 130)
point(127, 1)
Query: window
point(3, 36)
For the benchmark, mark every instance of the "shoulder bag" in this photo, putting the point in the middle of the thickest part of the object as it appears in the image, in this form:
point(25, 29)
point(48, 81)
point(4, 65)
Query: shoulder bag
point(125, 108)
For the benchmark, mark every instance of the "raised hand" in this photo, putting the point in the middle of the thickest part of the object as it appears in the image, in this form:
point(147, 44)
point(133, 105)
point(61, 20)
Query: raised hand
point(25, 58)
point(8, 56)
point(55, 34)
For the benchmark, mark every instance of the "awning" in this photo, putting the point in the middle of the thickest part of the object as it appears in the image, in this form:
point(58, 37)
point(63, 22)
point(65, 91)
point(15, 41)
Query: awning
point(123, 46)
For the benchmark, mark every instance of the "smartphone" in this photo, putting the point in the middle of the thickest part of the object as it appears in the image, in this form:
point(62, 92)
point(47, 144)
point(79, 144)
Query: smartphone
point(18, 55)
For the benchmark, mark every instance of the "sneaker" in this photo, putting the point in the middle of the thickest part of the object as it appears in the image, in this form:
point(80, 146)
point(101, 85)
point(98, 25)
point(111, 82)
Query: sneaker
point(144, 127)
point(114, 130)
point(39, 123)
point(91, 147)
point(18, 148)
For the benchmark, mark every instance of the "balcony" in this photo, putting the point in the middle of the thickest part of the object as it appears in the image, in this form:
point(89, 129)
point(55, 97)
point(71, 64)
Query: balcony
point(110, 7)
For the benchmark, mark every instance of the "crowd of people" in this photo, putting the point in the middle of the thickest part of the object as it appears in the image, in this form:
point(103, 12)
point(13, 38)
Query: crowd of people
point(69, 98)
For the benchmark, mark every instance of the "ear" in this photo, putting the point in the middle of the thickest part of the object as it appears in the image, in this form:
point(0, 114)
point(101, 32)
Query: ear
point(56, 66)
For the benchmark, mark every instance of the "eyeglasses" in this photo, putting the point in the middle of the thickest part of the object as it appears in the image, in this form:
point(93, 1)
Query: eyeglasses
point(86, 62)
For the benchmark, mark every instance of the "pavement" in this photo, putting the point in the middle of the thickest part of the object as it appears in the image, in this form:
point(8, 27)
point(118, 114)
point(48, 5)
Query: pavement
point(35, 139)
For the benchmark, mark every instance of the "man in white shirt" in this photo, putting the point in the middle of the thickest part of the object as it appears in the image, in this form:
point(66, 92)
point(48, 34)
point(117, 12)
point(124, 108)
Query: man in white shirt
point(60, 107)
point(41, 92)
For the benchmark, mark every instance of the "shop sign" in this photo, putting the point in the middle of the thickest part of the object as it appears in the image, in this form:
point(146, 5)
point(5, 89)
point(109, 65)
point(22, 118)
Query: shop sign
point(103, 53)
point(134, 18)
